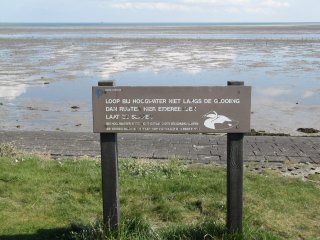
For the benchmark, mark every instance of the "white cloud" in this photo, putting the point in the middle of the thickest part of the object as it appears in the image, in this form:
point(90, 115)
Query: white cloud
point(217, 2)
point(275, 4)
point(230, 6)
point(162, 6)
point(257, 10)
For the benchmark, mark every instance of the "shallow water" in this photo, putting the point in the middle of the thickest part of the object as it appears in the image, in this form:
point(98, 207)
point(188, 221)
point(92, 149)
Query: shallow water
point(42, 78)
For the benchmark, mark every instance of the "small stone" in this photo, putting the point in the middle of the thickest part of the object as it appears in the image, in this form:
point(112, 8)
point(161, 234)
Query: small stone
point(18, 126)
point(290, 169)
point(1, 104)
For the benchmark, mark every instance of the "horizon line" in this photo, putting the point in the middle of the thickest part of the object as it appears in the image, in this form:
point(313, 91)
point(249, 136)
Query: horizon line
point(153, 22)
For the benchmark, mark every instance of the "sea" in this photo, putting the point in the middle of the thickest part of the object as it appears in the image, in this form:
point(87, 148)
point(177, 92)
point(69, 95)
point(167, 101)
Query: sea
point(47, 68)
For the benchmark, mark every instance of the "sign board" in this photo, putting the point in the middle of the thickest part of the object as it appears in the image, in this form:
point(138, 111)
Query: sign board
point(171, 109)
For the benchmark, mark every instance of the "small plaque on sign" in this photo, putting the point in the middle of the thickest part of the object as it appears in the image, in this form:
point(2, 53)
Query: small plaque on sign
point(171, 109)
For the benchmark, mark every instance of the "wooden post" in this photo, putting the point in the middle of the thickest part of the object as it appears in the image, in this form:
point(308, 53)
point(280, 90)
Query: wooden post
point(109, 169)
point(234, 178)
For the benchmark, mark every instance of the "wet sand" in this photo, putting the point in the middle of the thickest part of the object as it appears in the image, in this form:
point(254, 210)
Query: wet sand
point(282, 63)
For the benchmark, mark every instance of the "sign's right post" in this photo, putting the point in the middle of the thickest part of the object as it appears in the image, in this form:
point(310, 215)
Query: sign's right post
point(234, 178)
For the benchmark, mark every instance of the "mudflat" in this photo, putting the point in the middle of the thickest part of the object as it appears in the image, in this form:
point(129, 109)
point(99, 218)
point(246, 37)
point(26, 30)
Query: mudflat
point(46, 71)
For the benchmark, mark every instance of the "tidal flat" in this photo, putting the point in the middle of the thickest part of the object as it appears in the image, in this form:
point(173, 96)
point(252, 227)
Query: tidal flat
point(47, 70)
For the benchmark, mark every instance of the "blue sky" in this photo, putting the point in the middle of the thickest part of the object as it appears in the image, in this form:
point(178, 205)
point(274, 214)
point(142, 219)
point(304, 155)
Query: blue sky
point(159, 11)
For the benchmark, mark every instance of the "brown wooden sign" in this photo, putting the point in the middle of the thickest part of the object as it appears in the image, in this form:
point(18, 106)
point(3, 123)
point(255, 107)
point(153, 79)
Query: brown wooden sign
point(171, 109)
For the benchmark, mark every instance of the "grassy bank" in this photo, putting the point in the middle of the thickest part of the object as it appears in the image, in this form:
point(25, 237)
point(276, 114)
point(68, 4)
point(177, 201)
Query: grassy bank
point(46, 199)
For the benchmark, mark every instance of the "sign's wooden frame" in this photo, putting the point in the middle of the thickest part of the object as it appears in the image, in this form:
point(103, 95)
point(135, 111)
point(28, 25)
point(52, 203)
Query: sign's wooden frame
point(110, 189)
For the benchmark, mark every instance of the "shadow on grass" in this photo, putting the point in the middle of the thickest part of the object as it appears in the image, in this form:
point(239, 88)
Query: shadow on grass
point(130, 229)
point(96, 231)
point(135, 229)
point(48, 234)
point(90, 232)
point(67, 233)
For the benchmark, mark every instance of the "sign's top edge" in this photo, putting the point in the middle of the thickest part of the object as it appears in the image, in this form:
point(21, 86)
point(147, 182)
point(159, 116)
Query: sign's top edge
point(238, 86)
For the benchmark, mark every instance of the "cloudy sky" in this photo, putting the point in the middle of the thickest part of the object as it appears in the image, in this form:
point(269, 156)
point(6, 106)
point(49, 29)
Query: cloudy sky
point(159, 11)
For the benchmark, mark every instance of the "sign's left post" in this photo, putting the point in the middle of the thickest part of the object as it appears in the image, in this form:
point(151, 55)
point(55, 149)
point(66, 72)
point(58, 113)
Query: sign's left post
point(109, 171)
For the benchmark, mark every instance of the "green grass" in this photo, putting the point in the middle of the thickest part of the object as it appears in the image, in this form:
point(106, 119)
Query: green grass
point(46, 199)
point(315, 177)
